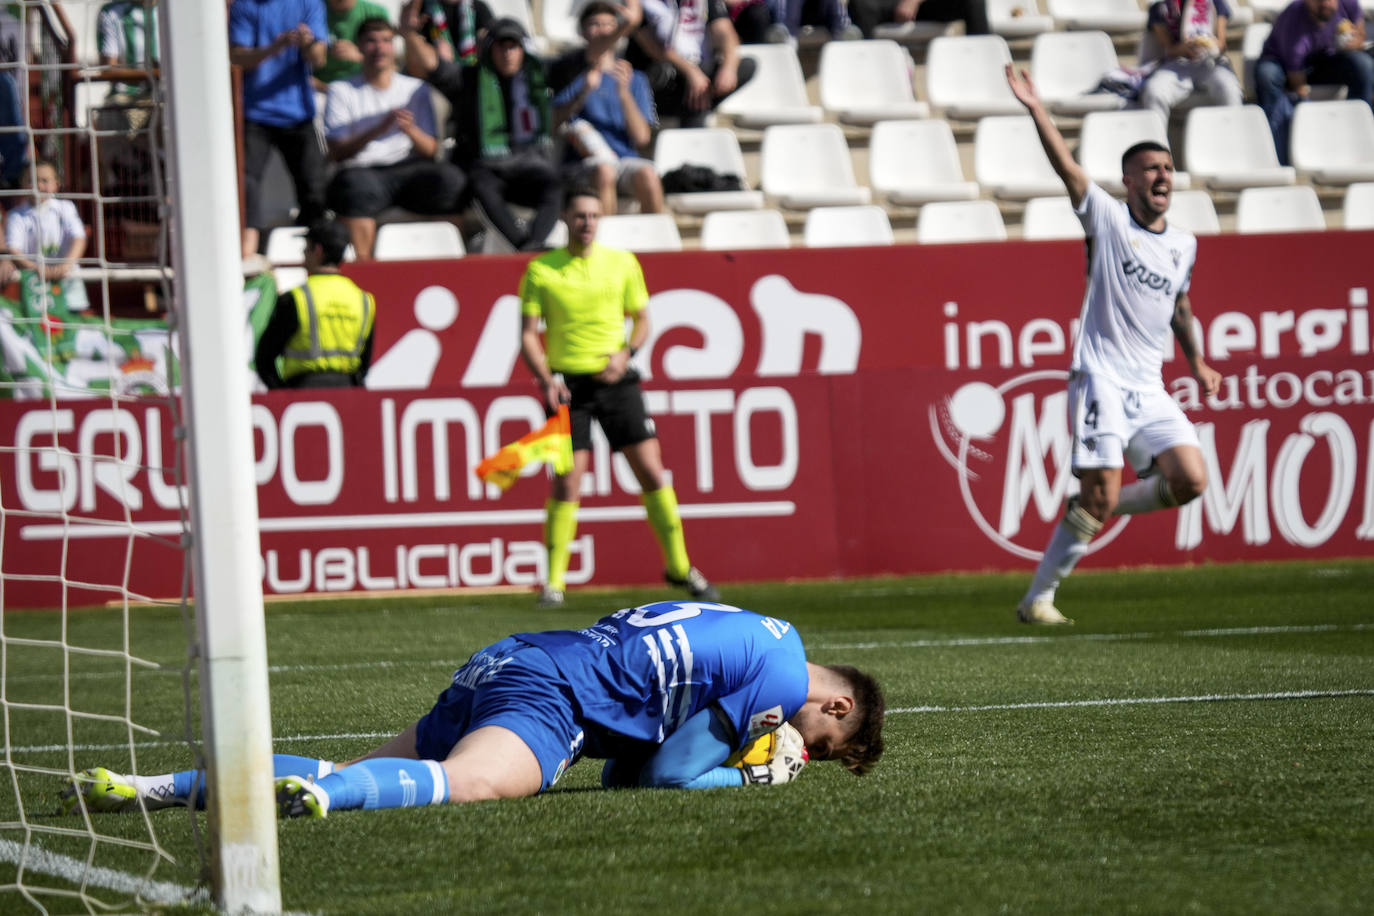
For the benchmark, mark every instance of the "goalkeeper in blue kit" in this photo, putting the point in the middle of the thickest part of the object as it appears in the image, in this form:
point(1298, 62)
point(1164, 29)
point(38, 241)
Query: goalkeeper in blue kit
point(665, 693)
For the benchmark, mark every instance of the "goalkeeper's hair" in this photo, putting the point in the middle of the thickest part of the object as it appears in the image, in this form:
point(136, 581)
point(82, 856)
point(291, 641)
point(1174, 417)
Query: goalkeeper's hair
point(862, 751)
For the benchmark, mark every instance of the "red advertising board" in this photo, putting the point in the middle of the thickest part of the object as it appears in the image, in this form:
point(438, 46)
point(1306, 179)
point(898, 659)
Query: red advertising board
point(836, 412)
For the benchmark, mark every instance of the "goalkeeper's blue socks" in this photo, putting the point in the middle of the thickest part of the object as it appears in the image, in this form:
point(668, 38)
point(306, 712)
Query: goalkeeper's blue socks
point(386, 782)
point(188, 786)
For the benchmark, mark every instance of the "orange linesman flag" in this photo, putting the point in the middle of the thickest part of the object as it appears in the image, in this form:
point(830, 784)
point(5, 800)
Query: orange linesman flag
point(551, 442)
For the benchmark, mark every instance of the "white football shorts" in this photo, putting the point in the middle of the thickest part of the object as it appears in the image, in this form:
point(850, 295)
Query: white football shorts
point(1111, 424)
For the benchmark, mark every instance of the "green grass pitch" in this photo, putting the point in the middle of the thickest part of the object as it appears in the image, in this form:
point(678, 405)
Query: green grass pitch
point(1201, 742)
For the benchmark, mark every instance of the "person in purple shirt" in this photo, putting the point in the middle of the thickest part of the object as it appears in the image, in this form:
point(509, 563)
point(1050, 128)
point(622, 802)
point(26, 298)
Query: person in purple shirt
point(1313, 42)
point(277, 43)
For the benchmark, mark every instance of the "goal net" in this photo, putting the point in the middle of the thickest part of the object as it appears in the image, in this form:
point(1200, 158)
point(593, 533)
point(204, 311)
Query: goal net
point(124, 401)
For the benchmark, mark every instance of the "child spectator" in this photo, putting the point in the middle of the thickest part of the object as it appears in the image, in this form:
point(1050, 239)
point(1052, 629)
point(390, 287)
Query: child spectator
point(45, 234)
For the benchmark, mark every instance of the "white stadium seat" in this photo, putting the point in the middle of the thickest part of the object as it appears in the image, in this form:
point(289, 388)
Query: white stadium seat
point(1241, 15)
point(1100, 15)
point(1050, 218)
point(558, 22)
point(1194, 211)
point(808, 165)
point(1017, 18)
point(731, 229)
point(1358, 209)
point(286, 245)
point(1066, 68)
point(960, 221)
point(1231, 147)
point(1105, 135)
point(912, 162)
point(413, 241)
point(639, 232)
point(1289, 209)
point(88, 96)
point(1333, 142)
point(966, 76)
point(714, 147)
point(847, 226)
point(1268, 9)
point(862, 82)
point(775, 95)
point(288, 278)
point(1009, 161)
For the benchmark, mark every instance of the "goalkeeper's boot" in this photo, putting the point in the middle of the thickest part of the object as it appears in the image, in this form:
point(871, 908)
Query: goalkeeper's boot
point(696, 584)
point(299, 797)
point(549, 597)
point(1041, 610)
point(102, 789)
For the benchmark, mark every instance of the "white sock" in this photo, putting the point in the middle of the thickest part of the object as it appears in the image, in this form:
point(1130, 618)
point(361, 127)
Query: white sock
point(1067, 546)
point(1145, 496)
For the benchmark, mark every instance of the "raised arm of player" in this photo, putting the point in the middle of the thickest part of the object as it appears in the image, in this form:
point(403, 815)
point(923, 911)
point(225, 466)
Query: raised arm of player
point(1182, 324)
point(1075, 179)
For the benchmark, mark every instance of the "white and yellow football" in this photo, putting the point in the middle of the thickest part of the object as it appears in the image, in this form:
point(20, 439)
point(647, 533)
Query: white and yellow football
point(763, 748)
point(760, 750)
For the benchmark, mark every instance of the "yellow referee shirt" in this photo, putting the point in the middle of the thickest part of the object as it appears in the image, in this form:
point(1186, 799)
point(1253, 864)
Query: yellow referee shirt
point(584, 302)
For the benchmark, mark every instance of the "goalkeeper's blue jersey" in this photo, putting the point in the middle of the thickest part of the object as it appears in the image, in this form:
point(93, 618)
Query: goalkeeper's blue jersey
point(640, 673)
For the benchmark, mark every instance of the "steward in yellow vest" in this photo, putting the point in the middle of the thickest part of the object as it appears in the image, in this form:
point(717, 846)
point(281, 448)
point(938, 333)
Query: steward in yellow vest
point(320, 334)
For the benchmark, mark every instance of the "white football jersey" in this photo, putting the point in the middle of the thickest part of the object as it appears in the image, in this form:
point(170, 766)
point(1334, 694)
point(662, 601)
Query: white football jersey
point(1134, 276)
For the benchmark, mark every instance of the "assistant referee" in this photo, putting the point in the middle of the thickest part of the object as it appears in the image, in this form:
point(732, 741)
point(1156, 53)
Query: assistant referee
point(583, 293)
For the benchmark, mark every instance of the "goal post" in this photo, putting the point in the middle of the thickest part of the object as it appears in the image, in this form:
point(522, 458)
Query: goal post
point(199, 127)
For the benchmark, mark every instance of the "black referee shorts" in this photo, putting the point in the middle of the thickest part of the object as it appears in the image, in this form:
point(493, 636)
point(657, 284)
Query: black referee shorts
point(618, 408)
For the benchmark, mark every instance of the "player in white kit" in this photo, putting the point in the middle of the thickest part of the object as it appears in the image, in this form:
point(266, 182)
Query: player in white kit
point(1137, 294)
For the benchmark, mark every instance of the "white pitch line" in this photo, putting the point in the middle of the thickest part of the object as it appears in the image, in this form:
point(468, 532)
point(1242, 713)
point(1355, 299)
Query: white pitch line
point(143, 745)
point(1097, 637)
point(77, 872)
point(1147, 701)
point(455, 662)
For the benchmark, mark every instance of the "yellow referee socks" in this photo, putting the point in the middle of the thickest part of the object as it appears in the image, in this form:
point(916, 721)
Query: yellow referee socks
point(661, 505)
point(560, 524)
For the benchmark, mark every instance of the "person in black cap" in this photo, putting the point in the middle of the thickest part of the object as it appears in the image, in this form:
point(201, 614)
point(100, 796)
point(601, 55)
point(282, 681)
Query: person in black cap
point(503, 125)
point(320, 333)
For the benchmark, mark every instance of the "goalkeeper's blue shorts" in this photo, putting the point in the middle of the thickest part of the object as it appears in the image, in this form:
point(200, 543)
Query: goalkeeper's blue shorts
point(516, 686)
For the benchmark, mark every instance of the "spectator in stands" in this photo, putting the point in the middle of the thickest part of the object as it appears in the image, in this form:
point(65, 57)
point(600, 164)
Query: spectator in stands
point(45, 234)
point(277, 43)
point(321, 331)
point(453, 28)
point(502, 126)
point(380, 129)
point(126, 36)
point(342, 58)
point(1313, 42)
point(1185, 41)
point(869, 14)
point(608, 110)
point(690, 51)
point(14, 145)
point(792, 16)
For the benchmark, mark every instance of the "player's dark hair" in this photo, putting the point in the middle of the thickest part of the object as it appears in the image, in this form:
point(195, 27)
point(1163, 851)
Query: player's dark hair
point(332, 237)
point(579, 190)
point(862, 750)
point(1144, 146)
point(374, 24)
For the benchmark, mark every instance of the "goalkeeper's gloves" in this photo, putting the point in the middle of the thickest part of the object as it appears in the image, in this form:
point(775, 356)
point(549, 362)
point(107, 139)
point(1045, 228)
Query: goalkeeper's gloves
point(787, 761)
